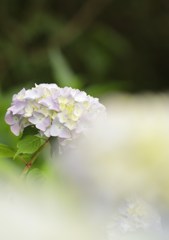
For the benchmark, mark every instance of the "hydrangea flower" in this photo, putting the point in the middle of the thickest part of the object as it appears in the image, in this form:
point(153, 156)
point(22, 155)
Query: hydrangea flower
point(54, 111)
point(135, 216)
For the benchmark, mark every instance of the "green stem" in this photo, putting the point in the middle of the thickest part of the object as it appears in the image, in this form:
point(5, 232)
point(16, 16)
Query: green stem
point(34, 157)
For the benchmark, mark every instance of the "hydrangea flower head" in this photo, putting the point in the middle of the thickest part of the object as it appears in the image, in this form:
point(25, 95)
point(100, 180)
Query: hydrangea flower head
point(54, 111)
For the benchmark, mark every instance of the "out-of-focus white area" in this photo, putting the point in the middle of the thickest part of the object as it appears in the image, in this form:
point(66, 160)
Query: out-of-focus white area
point(31, 215)
point(125, 156)
point(127, 152)
point(134, 216)
point(112, 185)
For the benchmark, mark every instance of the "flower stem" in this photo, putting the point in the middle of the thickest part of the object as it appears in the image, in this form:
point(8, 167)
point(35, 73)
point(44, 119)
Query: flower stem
point(33, 158)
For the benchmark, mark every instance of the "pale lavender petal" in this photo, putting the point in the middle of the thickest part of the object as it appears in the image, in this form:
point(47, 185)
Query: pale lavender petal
point(66, 91)
point(65, 133)
point(43, 124)
point(18, 108)
point(50, 103)
point(57, 129)
point(36, 117)
point(61, 132)
point(46, 133)
point(62, 118)
point(16, 129)
point(9, 118)
point(33, 94)
point(80, 96)
point(47, 85)
point(40, 121)
point(20, 95)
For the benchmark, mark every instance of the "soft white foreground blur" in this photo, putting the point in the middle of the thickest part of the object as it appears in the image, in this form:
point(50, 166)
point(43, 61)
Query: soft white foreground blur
point(40, 216)
point(112, 185)
point(125, 157)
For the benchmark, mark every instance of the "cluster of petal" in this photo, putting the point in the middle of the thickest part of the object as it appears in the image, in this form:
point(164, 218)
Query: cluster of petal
point(54, 111)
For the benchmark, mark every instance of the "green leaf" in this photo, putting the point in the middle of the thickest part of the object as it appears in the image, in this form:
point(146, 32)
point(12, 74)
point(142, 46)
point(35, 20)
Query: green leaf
point(29, 144)
point(63, 74)
point(6, 151)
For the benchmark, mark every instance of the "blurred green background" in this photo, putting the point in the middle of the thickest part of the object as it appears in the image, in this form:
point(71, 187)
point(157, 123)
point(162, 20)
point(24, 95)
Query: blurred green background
point(97, 45)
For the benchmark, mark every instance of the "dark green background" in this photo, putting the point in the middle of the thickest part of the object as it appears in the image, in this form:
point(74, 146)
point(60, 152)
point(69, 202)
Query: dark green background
point(97, 45)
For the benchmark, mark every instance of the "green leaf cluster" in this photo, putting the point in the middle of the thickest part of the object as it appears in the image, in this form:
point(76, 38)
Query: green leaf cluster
point(27, 145)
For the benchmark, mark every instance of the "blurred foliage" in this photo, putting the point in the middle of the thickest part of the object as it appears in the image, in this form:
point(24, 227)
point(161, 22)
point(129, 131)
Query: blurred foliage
point(103, 45)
